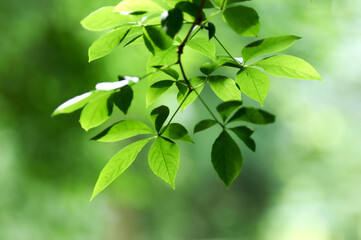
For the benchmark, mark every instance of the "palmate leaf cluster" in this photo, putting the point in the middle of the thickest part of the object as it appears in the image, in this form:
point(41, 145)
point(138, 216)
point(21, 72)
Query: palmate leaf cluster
point(166, 28)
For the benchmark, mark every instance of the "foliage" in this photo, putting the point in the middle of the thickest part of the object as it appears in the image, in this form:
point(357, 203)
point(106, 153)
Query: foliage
point(166, 28)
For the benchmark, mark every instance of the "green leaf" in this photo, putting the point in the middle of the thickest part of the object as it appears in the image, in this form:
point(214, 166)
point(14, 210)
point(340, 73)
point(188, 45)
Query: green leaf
point(138, 6)
point(76, 103)
point(254, 83)
point(197, 83)
point(190, 10)
point(106, 43)
point(211, 30)
point(97, 111)
point(169, 71)
point(209, 68)
point(207, 3)
point(105, 18)
point(227, 108)
point(225, 88)
point(176, 131)
point(289, 67)
point(123, 98)
point(158, 38)
point(204, 124)
point(158, 116)
point(204, 46)
point(134, 39)
point(226, 158)
point(244, 133)
point(156, 90)
point(117, 165)
point(163, 159)
point(253, 115)
point(267, 46)
point(122, 130)
point(172, 21)
point(243, 20)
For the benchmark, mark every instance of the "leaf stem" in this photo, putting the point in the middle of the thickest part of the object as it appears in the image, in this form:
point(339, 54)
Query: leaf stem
point(175, 113)
point(208, 109)
point(224, 48)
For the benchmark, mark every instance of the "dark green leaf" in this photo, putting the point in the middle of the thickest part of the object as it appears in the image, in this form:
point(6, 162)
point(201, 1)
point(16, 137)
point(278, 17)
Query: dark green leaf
point(226, 158)
point(204, 46)
point(117, 165)
point(158, 38)
point(169, 71)
point(204, 124)
point(243, 20)
point(156, 90)
point(163, 159)
point(106, 43)
point(123, 98)
point(176, 131)
point(227, 108)
point(225, 88)
point(267, 46)
point(189, 10)
point(209, 68)
point(158, 116)
point(211, 30)
point(97, 111)
point(172, 21)
point(122, 130)
point(105, 18)
point(289, 67)
point(244, 133)
point(254, 83)
point(253, 115)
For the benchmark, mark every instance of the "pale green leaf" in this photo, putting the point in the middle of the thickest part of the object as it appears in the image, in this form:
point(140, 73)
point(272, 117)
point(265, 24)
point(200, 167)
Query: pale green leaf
point(138, 6)
point(204, 46)
point(105, 18)
point(117, 165)
point(254, 83)
point(97, 111)
point(197, 83)
point(289, 67)
point(123, 130)
point(226, 158)
point(156, 90)
point(267, 46)
point(163, 159)
point(225, 88)
point(106, 43)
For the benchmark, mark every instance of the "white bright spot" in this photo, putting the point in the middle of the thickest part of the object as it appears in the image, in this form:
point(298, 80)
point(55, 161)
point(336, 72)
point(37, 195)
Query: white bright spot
point(73, 101)
point(239, 59)
point(107, 86)
point(133, 79)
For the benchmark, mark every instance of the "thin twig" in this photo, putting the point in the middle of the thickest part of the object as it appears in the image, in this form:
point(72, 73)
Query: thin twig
point(224, 48)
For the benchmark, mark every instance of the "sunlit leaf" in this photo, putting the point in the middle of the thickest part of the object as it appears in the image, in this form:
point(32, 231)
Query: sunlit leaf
point(204, 46)
point(226, 158)
point(158, 38)
point(163, 159)
point(106, 43)
point(138, 6)
point(117, 165)
point(197, 83)
point(105, 18)
point(122, 130)
point(156, 90)
point(97, 111)
point(289, 67)
point(267, 46)
point(254, 83)
point(209, 68)
point(225, 88)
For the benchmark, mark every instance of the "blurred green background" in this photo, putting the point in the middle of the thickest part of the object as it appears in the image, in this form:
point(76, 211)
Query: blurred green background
point(304, 181)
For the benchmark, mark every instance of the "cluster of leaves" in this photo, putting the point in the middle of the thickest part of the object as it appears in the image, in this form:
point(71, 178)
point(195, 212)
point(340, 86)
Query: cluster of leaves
point(166, 27)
